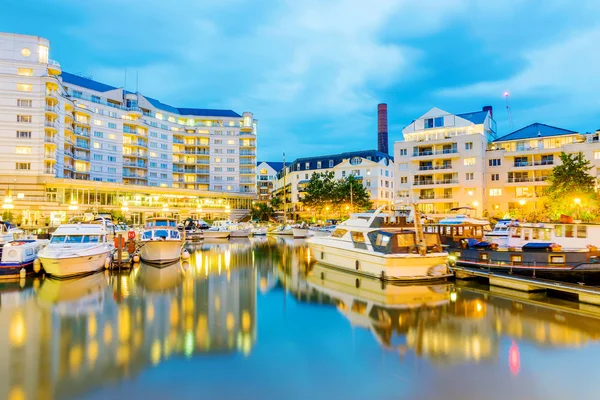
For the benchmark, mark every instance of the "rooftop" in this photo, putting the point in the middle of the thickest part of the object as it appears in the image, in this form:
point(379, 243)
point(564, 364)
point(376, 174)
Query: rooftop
point(476, 117)
point(77, 80)
point(373, 155)
point(276, 165)
point(535, 130)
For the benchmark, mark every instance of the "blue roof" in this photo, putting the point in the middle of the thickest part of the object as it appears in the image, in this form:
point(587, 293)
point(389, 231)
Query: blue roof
point(91, 84)
point(535, 130)
point(477, 117)
point(373, 155)
point(276, 165)
point(85, 82)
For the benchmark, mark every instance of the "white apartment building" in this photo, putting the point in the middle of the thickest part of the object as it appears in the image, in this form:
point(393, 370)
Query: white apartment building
point(373, 168)
point(441, 163)
point(266, 177)
point(519, 163)
point(59, 130)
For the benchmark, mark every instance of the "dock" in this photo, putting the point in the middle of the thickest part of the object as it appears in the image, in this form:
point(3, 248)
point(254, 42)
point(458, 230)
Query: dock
point(585, 294)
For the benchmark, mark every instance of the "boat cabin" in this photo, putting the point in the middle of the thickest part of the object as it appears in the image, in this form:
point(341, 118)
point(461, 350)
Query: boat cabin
point(79, 234)
point(454, 229)
point(389, 241)
point(161, 234)
point(568, 236)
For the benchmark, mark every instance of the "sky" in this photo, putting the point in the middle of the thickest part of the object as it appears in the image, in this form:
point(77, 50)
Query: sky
point(313, 71)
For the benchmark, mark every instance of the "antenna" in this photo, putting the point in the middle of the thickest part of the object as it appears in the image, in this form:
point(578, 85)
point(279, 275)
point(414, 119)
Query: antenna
point(137, 79)
point(506, 96)
point(125, 87)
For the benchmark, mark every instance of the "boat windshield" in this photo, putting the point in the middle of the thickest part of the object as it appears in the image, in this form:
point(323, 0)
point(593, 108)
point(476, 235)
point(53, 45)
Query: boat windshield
point(162, 222)
point(71, 239)
point(161, 233)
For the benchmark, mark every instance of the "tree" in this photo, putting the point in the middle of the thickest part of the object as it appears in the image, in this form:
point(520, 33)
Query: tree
point(349, 192)
point(276, 203)
point(572, 190)
point(324, 193)
point(261, 212)
point(319, 193)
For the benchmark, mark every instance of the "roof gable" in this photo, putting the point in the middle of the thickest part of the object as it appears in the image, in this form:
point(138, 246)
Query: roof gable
point(276, 165)
point(477, 117)
point(535, 130)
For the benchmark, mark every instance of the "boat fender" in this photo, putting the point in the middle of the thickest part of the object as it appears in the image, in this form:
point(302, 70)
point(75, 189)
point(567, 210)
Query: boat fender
point(185, 265)
point(322, 275)
point(357, 283)
point(357, 264)
point(107, 263)
point(22, 273)
point(185, 255)
point(136, 258)
point(37, 265)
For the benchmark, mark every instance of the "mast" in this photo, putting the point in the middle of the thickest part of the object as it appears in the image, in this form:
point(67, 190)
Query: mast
point(284, 191)
point(419, 231)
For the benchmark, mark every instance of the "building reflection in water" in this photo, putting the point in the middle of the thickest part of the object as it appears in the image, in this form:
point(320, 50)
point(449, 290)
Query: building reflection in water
point(63, 337)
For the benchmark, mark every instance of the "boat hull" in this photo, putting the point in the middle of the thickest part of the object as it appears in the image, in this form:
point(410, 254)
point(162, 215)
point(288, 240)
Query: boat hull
point(160, 251)
point(388, 267)
point(299, 233)
point(284, 232)
point(62, 267)
point(216, 234)
point(12, 270)
point(240, 233)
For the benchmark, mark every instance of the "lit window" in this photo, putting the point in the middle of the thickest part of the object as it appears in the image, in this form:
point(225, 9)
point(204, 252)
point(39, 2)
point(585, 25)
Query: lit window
point(23, 118)
point(25, 52)
point(25, 71)
point(218, 159)
point(496, 192)
point(597, 155)
point(97, 145)
point(470, 161)
point(23, 150)
point(24, 87)
point(159, 116)
point(112, 136)
point(97, 122)
point(230, 141)
point(152, 154)
point(22, 166)
point(43, 54)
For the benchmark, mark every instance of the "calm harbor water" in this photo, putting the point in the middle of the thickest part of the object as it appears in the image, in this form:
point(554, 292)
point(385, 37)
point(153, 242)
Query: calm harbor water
point(251, 319)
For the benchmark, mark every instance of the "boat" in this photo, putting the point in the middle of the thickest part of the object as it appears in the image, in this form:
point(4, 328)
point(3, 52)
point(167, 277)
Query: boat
point(236, 229)
point(19, 254)
point(366, 245)
point(458, 227)
point(160, 241)
point(259, 231)
point(499, 234)
point(556, 251)
point(216, 233)
point(76, 249)
point(285, 230)
point(7, 233)
point(321, 231)
point(300, 231)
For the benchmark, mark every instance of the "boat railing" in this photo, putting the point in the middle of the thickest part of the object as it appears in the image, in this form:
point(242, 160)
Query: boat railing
point(499, 263)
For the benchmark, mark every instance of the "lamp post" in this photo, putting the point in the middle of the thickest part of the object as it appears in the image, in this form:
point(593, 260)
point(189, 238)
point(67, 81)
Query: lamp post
point(577, 202)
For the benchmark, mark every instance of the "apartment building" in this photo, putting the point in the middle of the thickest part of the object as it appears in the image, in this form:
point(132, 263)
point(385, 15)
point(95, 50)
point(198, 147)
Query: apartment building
point(373, 168)
point(519, 163)
point(441, 162)
point(266, 177)
point(61, 132)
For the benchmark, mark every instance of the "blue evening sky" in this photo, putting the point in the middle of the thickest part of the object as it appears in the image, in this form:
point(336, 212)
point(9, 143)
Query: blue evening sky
point(313, 71)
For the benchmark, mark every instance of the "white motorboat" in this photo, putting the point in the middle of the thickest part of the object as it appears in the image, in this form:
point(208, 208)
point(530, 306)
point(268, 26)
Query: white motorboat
point(236, 229)
point(160, 241)
point(76, 249)
point(499, 235)
point(259, 231)
point(216, 233)
point(19, 254)
point(364, 245)
point(285, 230)
point(299, 233)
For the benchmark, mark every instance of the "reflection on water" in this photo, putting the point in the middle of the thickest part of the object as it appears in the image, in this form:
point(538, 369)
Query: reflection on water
point(70, 338)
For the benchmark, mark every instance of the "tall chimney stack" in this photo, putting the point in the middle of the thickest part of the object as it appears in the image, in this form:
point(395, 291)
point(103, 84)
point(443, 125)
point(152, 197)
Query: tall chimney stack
point(382, 128)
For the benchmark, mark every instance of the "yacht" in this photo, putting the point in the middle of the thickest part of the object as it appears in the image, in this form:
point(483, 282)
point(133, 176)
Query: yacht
point(19, 254)
point(499, 234)
point(160, 241)
point(365, 244)
point(215, 232)
point(76, 249)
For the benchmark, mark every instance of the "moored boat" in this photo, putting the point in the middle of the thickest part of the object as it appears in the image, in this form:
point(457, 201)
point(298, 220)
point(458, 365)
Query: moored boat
point(300, 231)
point(76, 249)
point(19, 254)
point(284, 230)
point(365, 245)
point(161, 241)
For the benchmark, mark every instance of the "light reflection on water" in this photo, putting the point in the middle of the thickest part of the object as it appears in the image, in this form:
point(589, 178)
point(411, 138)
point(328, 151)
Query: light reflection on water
point(252, 319)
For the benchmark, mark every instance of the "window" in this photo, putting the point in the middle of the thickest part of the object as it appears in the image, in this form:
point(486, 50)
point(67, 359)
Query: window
point(231, 160)
point(97, 168)
point(469, 176)
point(112, 125)
point(163, 156)
point(98, 134)
point(97, 122)
point(339, 232)
point(330, 163)
point(163, 166)
point(43, 54)
point(23, 118)
point(111, 170)
point(111, 159)
point(24, 103)
point(230, 169)
point(218, 159)
point(402, 167)
point(95, 99)
point(22, 166)
point(230, 178)
point(25, 71)
point(163, 176)
point(97, 157)
point(24, 87)
point(358, 237)
point(597, 155)
point(218, 169)
point(218, 141)
point(469, 146)
point(403, 152)
point(318, 164)
point(164, 136)
point(153, 154)
point(24, 134)
point(230, 151)
point(305, 176)
point(112, 147)
point(230, 141)
point(307, 165)
point(153, 145)
point(494, 162)
point(582, 231)
point(403, 179)
point(496, 192)
point(470, 161)
point(153, 164)
point(23, 150)
point(97, 145)
point(495, 177)
point(112, 135)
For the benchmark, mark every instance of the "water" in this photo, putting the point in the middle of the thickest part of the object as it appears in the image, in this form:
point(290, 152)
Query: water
point(249, 319)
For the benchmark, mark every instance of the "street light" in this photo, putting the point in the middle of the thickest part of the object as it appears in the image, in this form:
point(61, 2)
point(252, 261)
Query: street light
point(522, 202)
point(577, 201)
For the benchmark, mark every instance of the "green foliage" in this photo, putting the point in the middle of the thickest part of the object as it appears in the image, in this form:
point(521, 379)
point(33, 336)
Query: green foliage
point(276, 203)
point(325, 194)
point(262, 212)
point(572, 189)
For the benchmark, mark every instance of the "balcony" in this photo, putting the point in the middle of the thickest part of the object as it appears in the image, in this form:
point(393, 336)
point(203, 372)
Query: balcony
point(129, 164)
point(178, 141)
point(436, 182)
point(132, 131)
point(519, 164)
point(247, 171)
point(434, 152)
point(82, 132)
point(54, 67)
point(435, 197)
point(51, 109)
point(50, 124)
point(50, 155)
point(68, 167)
point(202, 180)
point(435, 168)
point(82, 157)
point(82, 121)
point(247, 153)
point(68, 153)
point(246, 180)
point(50, 139)
point(178, 169)
point(133, 175)
point(49, 171)
point(82, 145)
point(136, 154)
